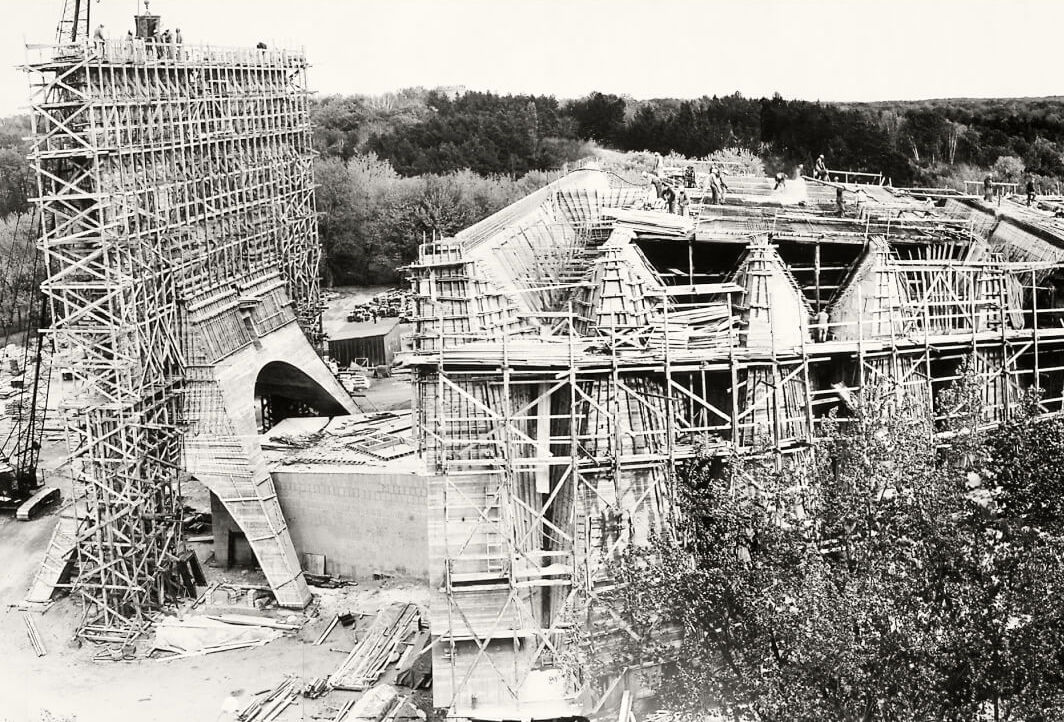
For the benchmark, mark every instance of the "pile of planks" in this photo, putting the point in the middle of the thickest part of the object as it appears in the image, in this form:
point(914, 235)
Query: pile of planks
point(383, 703)
point(708, 327)
point(270, 706)
point(317, 687)
point(389, 640)
point(653, 223)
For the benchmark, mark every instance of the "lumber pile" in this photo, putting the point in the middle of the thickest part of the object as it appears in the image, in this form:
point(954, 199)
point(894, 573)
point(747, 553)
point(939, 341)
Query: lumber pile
point(270, 704)
point(653, 223)
point(707, 327)
point(383, 703)
point(390, 637)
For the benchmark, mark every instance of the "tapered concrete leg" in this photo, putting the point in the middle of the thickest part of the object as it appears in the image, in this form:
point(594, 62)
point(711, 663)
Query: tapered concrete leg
point(223, 450)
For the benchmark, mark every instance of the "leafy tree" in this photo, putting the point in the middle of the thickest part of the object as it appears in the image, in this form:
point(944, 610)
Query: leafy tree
point(1044, 157)
point(881, 579)
point(1008, 167)
point(599, 117)
point(16, 182)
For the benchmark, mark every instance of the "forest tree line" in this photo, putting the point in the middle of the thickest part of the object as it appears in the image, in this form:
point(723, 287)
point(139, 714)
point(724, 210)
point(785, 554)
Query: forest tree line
point(398, 168)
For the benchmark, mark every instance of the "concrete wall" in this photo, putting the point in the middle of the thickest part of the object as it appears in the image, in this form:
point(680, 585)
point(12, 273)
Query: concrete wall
point(362, 522)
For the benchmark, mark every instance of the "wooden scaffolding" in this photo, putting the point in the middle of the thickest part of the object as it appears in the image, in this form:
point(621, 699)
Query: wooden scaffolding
point(555, 409)
point(170, 179)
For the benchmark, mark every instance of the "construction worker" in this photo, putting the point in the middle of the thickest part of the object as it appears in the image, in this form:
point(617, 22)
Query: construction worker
point(822, 326)
point(168, 44)
point(1030, 192)
point(689, 176)
point(98, 39)
point(988, 188)
point(178, 40)
point(820, 170)
point(840, 205)
point(682, 201)
point(781, 181)
point(717, 186)
point(669, 196)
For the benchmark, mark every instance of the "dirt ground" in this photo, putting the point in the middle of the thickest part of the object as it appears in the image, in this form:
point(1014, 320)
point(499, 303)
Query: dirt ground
point(67, 685)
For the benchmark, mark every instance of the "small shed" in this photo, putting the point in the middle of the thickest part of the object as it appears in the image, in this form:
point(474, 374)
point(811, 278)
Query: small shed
point(378, 342)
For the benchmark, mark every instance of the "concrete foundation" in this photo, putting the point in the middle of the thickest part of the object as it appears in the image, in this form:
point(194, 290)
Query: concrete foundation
point(362, 523)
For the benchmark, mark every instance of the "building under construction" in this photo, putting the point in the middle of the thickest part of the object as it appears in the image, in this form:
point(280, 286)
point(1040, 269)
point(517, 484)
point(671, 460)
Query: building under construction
point(179, 229)
point(568, 353)
point(573, 348)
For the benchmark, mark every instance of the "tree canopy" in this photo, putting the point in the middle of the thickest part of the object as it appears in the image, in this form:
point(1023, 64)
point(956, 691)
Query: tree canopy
point(885, 578)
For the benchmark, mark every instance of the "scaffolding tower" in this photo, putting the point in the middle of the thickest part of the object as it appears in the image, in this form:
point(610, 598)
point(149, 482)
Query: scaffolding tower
point(169, 177)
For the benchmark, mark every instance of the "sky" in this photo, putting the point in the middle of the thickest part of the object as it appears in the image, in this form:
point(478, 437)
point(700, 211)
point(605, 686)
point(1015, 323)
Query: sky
point(811, 49)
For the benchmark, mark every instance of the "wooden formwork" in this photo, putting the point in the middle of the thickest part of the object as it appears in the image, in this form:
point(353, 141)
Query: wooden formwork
point(555, 427)
point(170, 180)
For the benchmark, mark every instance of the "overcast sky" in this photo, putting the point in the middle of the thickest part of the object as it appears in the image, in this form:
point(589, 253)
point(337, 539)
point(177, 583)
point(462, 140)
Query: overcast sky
point(812, 49)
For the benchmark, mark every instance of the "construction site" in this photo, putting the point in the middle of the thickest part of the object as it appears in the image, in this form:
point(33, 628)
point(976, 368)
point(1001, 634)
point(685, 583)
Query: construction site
point(193, 475)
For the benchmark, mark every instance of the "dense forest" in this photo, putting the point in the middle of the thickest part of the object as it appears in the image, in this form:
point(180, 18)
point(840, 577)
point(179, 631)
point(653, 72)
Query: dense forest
point(419, 163)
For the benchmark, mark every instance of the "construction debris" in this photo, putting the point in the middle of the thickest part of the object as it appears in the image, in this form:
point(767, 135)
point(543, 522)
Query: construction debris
point(388, 639)
point(316, 688)
point(34, 635)
point(328, 630)
point(269, 706)
point(195, 636)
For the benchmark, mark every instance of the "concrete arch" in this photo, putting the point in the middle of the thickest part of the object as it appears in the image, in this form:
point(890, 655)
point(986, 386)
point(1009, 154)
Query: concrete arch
point(224, 452)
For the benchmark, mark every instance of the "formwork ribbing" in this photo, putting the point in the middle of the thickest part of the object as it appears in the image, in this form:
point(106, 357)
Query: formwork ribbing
point(170, 179)
point(555, 413)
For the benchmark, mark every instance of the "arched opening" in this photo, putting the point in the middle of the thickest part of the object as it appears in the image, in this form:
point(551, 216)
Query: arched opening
point(283, 391)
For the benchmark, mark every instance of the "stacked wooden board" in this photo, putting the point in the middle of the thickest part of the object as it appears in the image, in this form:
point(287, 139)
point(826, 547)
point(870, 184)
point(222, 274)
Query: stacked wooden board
point(391, 638)
point(707, 327)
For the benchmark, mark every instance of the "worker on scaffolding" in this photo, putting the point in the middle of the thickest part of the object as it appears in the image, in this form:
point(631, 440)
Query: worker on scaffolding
point(821, 326)
point(682, 201)
point(655, 180)
point(98, 39)
point(669, 196)
point(168, 44)
point(689, 176)
point(820, 169)
point(717, 186)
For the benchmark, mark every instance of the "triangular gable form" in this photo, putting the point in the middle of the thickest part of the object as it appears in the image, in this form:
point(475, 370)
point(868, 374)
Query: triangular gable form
point(774, 310)
point(875, 294)
point(616, 297)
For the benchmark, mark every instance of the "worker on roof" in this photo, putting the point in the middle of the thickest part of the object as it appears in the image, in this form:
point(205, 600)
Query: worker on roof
point(820, 170)
point(717, 186)
point(669, 196)
point(689, 176)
